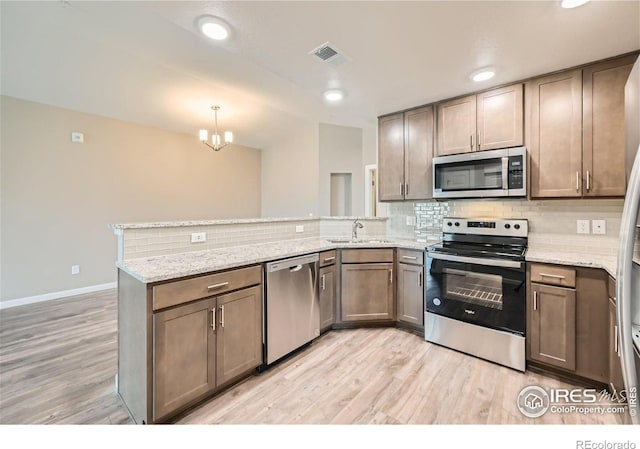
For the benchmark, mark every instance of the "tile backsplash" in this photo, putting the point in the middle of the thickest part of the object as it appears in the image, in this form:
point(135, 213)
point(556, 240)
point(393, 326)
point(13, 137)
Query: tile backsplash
point(550, 221)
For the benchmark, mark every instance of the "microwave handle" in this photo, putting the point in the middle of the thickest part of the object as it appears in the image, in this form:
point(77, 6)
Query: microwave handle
point(505, 173)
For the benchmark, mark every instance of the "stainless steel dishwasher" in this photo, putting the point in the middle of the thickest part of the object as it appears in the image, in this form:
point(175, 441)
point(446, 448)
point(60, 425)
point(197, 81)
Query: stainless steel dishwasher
point(293, 309)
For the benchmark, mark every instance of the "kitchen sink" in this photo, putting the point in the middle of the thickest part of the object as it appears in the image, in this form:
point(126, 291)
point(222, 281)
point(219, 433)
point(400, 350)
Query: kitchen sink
point(359, 241)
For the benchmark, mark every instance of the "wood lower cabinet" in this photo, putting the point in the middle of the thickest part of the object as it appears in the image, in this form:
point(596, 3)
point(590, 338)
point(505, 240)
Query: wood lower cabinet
point(184, 348)
point(170, 357)
point(239, 333)
point(328, 285)
point(554, 134)
point(568, 326)
point(367, 292)
point(410, 288)
point(603, 144)
point(552, 319)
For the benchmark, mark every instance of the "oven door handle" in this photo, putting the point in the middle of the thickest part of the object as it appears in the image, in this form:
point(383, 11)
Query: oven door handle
point(476, 260)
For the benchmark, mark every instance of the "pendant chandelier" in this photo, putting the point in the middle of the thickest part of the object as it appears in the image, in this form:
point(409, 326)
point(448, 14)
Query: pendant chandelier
point(215, 144)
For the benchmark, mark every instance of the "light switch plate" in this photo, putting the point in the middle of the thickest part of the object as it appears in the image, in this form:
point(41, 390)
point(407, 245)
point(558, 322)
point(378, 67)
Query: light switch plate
point(198, 237)
point(299, 228)
point(599, 226)
point(583, 227)
point(75, 269)
point(77, 137)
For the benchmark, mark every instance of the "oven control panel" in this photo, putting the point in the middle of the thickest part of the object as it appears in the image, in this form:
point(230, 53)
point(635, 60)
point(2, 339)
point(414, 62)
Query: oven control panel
point(488, 226)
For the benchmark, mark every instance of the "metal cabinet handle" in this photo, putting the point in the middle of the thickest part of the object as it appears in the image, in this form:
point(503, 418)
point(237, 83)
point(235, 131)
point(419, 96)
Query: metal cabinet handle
point(471, 141)
point(406, 188)
point(478, 143)
point(577, 180)
point(329, 259)
point(588, 180)
point(402, 189)
point(420, 279)
point(555, 276)
point(222, 316)
point(391, 276)
point(615, 342)
point(322, 278)
point(214, 286)
point(410, 257)
point(535, 300)
point(213, 318)
point(470, 312)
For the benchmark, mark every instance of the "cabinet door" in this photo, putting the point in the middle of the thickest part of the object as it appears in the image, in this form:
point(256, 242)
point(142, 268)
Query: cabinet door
point(391, 157)
point(418, 138)
point(239, 333)
point(554, 111)
point(500, 122)
point(456, 126)
point(367, 292)
point(552, 329)
point(604, 128)
point(327, 296)
point(410, 295)
point(616, 381)
point(184, 354)
point(592, 324)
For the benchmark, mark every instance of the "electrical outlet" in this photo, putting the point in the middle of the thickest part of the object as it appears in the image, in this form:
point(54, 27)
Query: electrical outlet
point(411, 220)
point(583, 227)
point(75, 269)
point(77, 137)
point(198, 237)
point(299, 228)
point(599, 226)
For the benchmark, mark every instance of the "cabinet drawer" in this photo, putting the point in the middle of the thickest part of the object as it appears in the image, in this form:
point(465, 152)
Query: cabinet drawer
point(173, 293)
point(367, 255)
point(612, 289)
point(553, 275)
point(413, 257)
point(327, 258)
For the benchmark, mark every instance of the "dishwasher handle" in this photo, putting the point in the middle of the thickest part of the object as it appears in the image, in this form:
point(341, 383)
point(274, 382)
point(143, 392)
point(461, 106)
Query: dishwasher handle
point(292, 264)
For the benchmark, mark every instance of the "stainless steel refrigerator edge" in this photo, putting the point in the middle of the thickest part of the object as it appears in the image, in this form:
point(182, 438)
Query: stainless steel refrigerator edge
point(628, 272)
point(292, 305)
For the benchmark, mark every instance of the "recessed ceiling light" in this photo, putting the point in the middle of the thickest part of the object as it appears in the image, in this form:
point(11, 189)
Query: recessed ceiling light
point(573, 3)
point(214, 28)
point(334, 95)
point(483, 74)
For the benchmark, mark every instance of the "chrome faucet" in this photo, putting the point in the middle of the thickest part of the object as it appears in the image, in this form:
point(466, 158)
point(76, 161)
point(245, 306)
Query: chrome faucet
point(354, 229)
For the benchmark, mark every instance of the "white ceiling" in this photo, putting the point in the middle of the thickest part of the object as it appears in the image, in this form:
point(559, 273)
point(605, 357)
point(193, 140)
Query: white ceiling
point(146, 62)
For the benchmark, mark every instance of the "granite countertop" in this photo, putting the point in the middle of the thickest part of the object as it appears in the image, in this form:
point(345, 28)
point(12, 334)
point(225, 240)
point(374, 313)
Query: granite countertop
point(576, 257)
point(173, 266)
point(173, 224)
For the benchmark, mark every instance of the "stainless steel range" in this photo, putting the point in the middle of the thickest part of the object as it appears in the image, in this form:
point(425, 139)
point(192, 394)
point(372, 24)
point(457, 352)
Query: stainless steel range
point(476, 289)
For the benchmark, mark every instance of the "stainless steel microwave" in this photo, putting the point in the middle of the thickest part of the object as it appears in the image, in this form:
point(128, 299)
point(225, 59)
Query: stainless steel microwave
point(481, 174)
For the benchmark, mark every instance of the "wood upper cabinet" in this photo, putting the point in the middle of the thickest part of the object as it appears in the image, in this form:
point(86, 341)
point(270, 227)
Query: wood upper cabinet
point(551, 332)
point(486, 121)
point(327, 295)
point(604, 127)
point(554, 130)
point(184, 353)
point(456, 126)
point(500, 118)
point(239, 333)
point(410, 294)
point(391, 157)
point(418, 147)
point(367, 292)
point(405, 151)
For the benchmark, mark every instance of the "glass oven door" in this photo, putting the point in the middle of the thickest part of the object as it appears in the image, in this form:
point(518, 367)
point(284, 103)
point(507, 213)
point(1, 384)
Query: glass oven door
point(468, 289)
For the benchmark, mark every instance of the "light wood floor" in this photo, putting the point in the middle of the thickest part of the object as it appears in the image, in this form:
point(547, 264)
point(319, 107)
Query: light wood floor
point(58, 360)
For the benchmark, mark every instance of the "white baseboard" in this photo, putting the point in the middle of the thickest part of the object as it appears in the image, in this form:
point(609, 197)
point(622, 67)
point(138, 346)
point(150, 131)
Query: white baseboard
point(56, 295)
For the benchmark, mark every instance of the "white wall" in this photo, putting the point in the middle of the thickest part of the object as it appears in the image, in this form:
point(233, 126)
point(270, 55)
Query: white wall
point(340, 150)
point(370, 146)
point(290, 175)
point(58, 197)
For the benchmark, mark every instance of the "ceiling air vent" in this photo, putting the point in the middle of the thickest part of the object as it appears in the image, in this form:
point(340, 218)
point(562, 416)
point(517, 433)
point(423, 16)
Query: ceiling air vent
point(325, 52)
